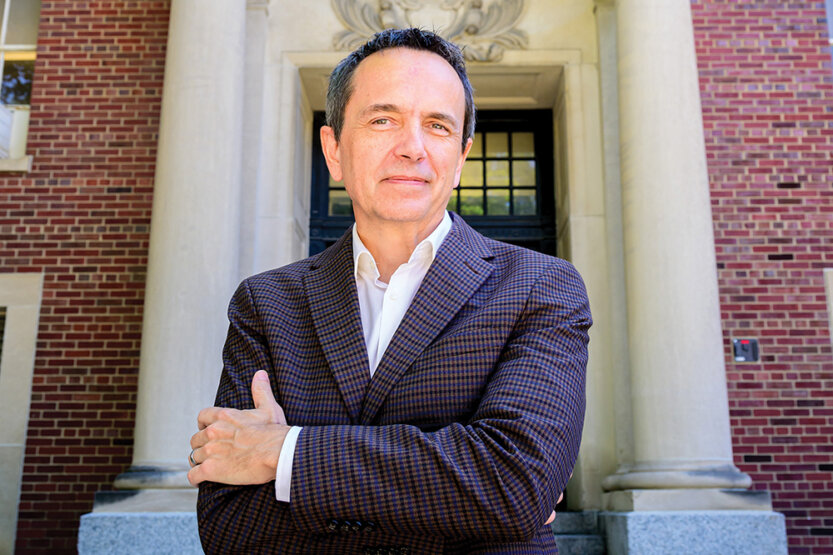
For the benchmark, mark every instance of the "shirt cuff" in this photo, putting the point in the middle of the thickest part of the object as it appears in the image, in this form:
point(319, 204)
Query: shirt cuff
point(283, 475)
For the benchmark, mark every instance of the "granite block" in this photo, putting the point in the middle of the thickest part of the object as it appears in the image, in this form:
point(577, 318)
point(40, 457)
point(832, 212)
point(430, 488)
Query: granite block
point(139, 534)
point(695, 533)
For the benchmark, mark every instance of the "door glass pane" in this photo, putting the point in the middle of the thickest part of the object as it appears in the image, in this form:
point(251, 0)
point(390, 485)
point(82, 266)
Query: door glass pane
point(477, 146)
point(339, 203)
point(471, 202)
point(452, 202)
point(525, 204)
point(523, 145)
point(472, 175)
point(497, 174)
point(497, 145)
point(497, 202)
point(23, 22)
point(523, 173)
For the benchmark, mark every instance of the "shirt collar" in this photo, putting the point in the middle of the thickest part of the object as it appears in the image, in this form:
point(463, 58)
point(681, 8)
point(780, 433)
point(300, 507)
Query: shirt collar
point(432, 243)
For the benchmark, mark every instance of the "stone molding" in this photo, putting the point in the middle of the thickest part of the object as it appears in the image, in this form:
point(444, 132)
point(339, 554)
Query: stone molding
point(257, 5)
point(484, 29)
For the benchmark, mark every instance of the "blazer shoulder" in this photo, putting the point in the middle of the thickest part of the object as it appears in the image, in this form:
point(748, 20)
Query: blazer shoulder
point(285, 280)
point(519, 259)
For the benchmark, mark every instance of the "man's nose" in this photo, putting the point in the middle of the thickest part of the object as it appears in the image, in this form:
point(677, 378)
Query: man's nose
point(411, 143)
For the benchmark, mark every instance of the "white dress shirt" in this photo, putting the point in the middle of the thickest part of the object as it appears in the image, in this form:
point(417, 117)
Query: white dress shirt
point(382, 307)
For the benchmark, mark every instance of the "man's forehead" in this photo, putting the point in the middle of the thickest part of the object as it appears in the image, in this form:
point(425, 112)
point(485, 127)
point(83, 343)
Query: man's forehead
point(404, 61)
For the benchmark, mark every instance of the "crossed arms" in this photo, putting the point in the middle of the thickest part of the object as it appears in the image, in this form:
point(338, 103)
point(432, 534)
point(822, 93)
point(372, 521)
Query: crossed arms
point(473, 442)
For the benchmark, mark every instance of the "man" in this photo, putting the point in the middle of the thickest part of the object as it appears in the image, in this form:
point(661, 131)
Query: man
point(433, 378)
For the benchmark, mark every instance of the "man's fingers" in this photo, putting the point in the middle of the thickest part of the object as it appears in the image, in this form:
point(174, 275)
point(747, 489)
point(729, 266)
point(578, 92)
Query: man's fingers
point(208, 416)
point(264, 398)
point(195, 475)
point(551, 519)
point(261, 390)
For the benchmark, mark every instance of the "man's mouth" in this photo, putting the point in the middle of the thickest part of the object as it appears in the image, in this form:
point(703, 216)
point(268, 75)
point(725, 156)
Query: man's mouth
point(407, 179)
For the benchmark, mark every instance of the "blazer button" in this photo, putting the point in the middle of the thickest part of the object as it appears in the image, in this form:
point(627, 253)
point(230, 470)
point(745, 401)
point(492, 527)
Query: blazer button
point(355, 526)
point(332, 525)
point(345, 526)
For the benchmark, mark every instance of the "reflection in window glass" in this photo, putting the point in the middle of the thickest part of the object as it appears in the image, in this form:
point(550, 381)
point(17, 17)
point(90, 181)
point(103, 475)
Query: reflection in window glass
point(477, 146)
point(525, 204)
point(472, 175)
point(339, 203)
point(523, 173)
point(523, 145)
point(471, 202)
point(497, 202)
point(497, 174)
point(497, 145)
point(17, 81)
point(452, 202)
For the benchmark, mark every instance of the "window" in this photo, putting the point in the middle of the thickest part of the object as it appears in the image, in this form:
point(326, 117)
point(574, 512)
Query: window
point(505, 192)
point(18, 36)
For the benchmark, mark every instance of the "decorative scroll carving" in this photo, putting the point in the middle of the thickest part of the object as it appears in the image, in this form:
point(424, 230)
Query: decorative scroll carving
point(484, 32)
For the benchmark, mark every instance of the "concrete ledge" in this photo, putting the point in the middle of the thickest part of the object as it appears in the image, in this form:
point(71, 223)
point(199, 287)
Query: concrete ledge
point(139, 534)
point(687, 500)
point(694, 532)
point(16, 165)
point(146, 501)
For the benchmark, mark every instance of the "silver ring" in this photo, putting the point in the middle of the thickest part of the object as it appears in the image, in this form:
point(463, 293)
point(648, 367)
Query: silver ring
point(191, 458)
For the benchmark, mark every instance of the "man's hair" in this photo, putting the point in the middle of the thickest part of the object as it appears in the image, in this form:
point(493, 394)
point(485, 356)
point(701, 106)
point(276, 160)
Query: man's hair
point(341, 80)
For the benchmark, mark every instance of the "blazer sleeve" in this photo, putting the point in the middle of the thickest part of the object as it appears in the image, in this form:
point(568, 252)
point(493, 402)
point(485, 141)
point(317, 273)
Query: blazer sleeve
point(496, 476)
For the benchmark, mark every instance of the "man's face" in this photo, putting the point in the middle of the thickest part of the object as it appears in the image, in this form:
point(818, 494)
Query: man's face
point(400, 152)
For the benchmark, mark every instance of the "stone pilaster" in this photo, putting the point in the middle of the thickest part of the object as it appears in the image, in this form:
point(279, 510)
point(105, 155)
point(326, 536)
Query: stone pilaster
point(192, 266)
point(681, 434)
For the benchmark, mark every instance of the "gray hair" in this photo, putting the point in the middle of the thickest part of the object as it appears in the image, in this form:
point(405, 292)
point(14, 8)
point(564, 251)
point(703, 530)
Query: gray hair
point(341, 80)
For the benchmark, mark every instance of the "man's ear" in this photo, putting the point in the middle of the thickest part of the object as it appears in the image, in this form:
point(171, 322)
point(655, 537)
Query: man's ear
point(332, 153)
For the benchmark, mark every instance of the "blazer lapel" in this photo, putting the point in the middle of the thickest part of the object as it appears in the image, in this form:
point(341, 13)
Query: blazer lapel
point(334, 305)
point(458, 270)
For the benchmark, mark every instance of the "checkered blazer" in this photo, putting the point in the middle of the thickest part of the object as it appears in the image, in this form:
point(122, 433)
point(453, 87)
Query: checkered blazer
point(461, 442)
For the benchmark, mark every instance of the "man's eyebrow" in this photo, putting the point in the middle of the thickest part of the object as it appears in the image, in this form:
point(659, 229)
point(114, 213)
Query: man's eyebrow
point(376, 108)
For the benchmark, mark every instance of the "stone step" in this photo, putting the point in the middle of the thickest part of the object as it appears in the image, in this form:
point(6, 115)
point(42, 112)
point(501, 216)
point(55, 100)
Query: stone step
point(574, 544)
point(576, 522)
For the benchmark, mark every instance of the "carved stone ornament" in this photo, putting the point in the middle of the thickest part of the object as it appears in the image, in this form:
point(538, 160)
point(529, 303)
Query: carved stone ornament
point(483, 31)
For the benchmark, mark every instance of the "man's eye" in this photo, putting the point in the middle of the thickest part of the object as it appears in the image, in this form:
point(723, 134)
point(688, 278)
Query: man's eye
point(380, 121)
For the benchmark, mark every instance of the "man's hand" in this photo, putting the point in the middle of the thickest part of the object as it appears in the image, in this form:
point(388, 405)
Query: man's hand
point(240, 447)
point(551, 519)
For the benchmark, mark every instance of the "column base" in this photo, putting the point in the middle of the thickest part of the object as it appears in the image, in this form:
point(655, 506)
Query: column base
point(695, 532)
point(153, 477)
point(687, 500)
point(678, 475)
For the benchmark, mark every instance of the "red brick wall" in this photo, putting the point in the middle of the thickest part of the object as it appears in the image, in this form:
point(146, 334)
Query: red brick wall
point(82, 218)
point(767, 90)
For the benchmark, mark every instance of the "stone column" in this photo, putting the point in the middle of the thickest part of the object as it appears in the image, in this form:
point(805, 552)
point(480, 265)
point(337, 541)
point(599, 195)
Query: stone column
point(681, 430)
point(194, 240)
